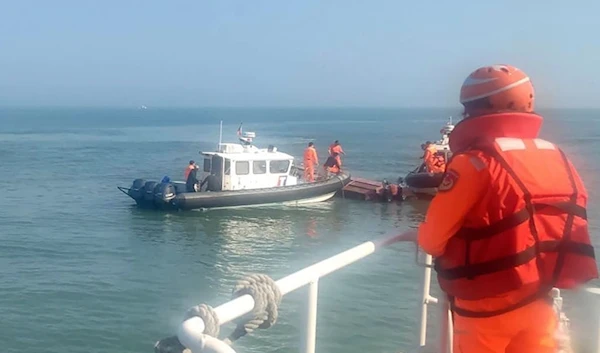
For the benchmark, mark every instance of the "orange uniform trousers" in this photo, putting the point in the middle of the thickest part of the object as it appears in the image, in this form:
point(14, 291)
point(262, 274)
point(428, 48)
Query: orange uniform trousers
point(529, 329)
point(309, 171)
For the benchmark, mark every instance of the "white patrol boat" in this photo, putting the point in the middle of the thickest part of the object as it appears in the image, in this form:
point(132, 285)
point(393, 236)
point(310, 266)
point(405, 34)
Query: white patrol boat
point(443, 143)
point(237, 175)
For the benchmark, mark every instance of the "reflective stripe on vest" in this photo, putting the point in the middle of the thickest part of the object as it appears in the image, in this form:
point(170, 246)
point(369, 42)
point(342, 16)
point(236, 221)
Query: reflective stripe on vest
point(496, 275)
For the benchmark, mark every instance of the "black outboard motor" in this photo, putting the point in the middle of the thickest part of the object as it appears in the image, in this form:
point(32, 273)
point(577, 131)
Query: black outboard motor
point(149, 193)
point(164, 193)
point(136, 191)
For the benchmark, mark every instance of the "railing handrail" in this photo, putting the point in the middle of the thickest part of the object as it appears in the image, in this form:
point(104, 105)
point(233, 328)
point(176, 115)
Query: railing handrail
point(191, 331)
point(195, 335)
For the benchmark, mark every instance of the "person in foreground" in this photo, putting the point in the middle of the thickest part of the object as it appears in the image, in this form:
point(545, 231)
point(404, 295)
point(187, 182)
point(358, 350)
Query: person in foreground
point(508, 222)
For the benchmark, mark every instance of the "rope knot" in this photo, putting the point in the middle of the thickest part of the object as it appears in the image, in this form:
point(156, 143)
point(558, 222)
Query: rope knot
point(208, 315)
point(267, 297)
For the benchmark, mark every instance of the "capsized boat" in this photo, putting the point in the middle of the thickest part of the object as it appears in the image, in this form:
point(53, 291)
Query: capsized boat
point(245, 176)
point(419, 182)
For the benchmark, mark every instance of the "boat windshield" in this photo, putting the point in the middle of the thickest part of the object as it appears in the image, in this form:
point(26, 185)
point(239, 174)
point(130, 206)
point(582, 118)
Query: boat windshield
point(279, 167)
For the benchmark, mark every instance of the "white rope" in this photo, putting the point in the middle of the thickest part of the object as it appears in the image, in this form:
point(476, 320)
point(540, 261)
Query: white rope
point(267, 297)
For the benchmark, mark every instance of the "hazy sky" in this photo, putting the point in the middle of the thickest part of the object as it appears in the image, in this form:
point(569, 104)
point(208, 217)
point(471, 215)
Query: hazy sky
point(290, 52)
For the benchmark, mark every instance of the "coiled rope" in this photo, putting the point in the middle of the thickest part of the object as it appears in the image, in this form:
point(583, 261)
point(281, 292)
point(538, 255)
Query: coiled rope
point(267, 297)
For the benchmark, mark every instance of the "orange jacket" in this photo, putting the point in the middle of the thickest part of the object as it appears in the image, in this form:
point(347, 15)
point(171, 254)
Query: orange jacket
point(188, 169)
point(480, 229)
point(333, 148)
point(310, 157)
point(434, 162)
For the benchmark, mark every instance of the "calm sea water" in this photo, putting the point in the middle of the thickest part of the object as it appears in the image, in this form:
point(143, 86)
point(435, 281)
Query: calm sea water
point(83, 270)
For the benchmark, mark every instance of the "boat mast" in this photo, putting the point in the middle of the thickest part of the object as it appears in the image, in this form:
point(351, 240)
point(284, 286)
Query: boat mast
point(220, 134)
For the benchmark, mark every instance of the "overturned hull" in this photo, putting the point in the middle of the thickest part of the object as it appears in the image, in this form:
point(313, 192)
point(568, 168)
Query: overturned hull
point(172, 196)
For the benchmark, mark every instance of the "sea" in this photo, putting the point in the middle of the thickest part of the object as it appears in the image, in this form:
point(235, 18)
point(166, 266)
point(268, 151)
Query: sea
point(83, 270)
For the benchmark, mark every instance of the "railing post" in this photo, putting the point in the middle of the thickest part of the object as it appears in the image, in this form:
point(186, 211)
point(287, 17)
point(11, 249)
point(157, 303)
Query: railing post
point(589, 332)
point(310, 328)
point(425, 300)
point(446, 329)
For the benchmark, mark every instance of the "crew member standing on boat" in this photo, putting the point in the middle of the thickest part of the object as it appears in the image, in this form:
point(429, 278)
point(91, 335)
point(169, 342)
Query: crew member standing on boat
point(335, 150)
point(311, 161)
point(188, 169)
point(191, 183)
point(508, 222)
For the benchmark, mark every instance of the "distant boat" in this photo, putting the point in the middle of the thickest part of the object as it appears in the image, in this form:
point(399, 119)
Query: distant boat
point(421, 183)
point(143, 107)
point(247, 176)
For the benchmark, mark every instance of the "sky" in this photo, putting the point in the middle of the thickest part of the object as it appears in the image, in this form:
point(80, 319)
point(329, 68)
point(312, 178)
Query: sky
point(290, 53)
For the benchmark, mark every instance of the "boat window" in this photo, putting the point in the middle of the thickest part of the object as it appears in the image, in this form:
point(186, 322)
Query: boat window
point(278, 167)
point(242, 168)
point(227, 167)
point(207, 165)
point(259, 167)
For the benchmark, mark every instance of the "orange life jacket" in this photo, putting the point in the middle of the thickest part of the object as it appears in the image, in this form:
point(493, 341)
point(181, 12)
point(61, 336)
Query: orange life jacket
point(439, 163)
point(534, 234)
point(434, 161)
point(335, 149)
point(188, 169)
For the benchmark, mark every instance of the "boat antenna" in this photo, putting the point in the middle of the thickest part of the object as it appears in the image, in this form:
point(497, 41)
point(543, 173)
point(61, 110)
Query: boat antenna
point(220, 134)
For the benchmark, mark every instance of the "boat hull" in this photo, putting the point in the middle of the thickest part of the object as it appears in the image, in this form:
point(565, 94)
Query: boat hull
point(423, 185)
point(284, 195)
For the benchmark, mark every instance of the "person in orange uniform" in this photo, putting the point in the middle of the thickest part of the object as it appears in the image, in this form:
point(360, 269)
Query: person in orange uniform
point(508, 222)
point(188, 169)
point(433, 161)
point(310, 162)
point(336, 150)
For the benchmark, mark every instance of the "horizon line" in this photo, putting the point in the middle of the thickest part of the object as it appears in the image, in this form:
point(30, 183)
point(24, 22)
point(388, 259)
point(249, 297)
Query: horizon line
point(138, 107)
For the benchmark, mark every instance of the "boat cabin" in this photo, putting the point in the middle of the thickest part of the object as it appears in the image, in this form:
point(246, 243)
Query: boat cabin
point(443, 143)
point(244, 166)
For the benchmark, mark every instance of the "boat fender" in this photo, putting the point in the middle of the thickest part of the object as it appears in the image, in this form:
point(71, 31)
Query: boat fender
point(136, 191)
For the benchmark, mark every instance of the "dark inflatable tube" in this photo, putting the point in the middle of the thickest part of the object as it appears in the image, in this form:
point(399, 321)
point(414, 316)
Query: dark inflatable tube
point(423, 180)
point(200, 200)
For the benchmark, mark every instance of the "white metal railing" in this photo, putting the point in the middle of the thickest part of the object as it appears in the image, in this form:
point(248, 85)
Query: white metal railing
point(191, 333)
